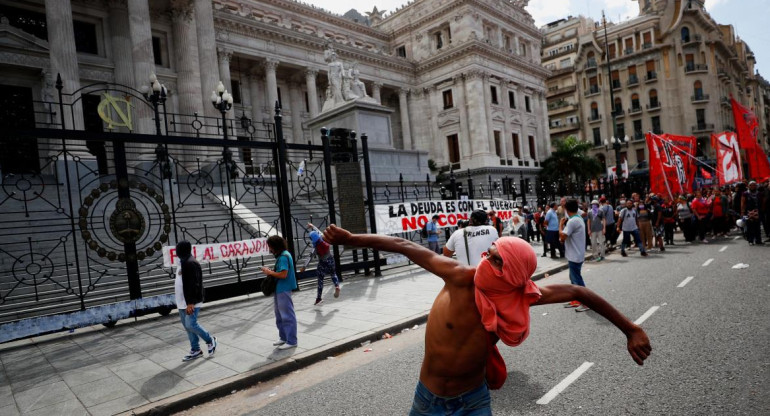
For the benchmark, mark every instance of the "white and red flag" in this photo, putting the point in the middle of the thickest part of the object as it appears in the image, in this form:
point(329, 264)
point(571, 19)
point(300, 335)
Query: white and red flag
point(729, 167)
point(672, 168)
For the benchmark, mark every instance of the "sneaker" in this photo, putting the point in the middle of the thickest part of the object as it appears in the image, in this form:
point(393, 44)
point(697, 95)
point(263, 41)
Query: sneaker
point(662, 249)
point(192, 355)
point(644, 254)
point(337, 292)
point(212, 346)
point(623, 253)
point(582, 308)
point(287, 346)
point(572, 304)
point(318, 302)
point(279, 343)
point(544, 255)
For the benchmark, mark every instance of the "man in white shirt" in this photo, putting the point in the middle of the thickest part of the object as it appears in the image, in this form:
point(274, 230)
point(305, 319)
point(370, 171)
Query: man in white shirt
point(572, 233)
point(469, 242)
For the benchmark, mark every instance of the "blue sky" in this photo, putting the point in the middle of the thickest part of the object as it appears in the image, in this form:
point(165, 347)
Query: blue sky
point(747, 16)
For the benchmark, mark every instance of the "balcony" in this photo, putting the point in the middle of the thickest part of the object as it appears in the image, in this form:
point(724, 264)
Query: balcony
point(560, 107)
point(595, 118)
point(703, 127)
point(692, 40)
point(635, 110)
point(556, 91)
point(651, 76)
point(691, 68)
point(699, 98)
point(646, 46)
point(721, 73)
point(590, 64)
point(725, 102)
point(619, 113)
point(616, 84)
point(592, 90)
point(653, 106)
point(638, 135)
point(633, 80)
point(561, 71)
point(575, 125)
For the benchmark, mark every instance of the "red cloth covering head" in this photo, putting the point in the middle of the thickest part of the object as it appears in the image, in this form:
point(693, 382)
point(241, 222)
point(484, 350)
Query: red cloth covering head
point(503, 299)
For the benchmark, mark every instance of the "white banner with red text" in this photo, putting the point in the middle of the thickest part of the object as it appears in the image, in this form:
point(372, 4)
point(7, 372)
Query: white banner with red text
point(412, 216)
point(209, 253)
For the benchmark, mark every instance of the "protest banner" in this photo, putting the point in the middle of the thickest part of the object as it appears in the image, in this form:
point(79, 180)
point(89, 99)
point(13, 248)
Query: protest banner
point(412, 216)
point(208, 253)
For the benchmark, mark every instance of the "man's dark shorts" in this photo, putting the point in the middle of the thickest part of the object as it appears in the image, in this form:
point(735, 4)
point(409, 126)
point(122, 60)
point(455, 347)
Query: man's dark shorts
point(473, 403)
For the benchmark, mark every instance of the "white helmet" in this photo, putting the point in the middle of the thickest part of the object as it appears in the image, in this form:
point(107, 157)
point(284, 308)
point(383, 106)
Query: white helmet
point(739, 223)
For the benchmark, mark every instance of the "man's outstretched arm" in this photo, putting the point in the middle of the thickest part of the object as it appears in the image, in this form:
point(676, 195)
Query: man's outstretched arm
point(444, 267)
point(638, 343)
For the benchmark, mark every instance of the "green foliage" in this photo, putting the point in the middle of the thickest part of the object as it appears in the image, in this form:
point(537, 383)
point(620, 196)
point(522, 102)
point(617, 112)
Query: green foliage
point(569, 161)
point(432, 165)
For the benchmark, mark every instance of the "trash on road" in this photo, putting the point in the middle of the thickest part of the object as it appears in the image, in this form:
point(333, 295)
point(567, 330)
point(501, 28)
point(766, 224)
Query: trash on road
point(387, 336)
point(416, 326)
point(272, 394)
point(545, 314)
point(365, 343)
point(741, 266)
point(368, 350)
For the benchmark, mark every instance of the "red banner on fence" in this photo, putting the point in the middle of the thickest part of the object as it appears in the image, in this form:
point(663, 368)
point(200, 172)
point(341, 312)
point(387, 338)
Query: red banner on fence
point(729, 168)
point(747, 126)
point(672, 169)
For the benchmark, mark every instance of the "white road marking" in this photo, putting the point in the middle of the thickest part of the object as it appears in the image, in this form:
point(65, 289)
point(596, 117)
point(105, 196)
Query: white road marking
point(707, 262)
point(564, 383)
point(646, 315)
point(736, 237)
point(723, 249)
point(686, 281)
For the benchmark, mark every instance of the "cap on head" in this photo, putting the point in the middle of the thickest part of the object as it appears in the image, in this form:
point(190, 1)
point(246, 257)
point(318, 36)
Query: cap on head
point(315, 237)
point(595, 202)
point(602, 199)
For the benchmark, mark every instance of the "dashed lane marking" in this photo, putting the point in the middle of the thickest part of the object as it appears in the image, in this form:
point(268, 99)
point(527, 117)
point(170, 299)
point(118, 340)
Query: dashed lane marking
point(686, 281)
point(564, 383)
point(646, 315)
point(707, 262)
point(723, 249)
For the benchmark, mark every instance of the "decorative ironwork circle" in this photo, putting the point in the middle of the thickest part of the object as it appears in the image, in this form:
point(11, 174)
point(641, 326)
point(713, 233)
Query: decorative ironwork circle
point(23, 187)
point(254, 184)
point(126, 223)
point(32, 269)
point(200, 183)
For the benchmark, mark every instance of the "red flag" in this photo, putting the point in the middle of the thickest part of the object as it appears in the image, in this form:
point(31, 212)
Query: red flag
point(748, 128)
point(729, 167)
point(705, 173)
point(672, 170)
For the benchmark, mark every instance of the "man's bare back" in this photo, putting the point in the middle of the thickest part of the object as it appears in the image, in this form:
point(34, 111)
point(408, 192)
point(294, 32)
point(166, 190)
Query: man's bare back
point(456, 342)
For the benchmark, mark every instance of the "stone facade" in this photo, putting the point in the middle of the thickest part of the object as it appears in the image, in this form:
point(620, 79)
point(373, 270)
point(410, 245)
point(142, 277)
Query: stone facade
point(463, 77)
point(672, 69)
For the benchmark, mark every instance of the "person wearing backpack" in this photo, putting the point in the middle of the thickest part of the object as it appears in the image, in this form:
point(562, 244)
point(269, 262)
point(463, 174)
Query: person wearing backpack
point(283, 306)
point(326, 264)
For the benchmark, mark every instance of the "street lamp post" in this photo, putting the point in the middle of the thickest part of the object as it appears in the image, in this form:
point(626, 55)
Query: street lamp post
point(155, 93)
point(222, 100)
point(616, 142)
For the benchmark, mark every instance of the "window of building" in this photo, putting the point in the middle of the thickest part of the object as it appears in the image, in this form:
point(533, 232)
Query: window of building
point(511, 99)
point(280, 101)
point(597, 136)
point(647, 40)
point(85, 37)
point(497, 143)
point(618, 106)
point(632, 78)
point(448, 100)
point(401, 51)
point(629, 46)
point(615, 76)
point(532, 152)
point(523, 48)
point(656, 125)
point(516, 145)
point(236, 85)
point(590, 59)
point(654, 99)
point(453, 145)
point(621, 130)
point(635, 102)
point(697, 88)
point(594, 111)
point(507, 43)
point(612, 51)
point(700, 115)
point(638, 133)
point(685, 34)
point(603, 160)
point(31, 22)
point(689, 62)
point(438, 39)
point(307, 103)
point(565, 63)
point(493, 94)
point(640, 155)
point(527, 104)
point(650, 67)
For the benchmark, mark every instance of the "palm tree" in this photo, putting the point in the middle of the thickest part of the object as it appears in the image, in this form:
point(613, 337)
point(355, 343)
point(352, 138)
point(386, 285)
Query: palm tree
point(569, 163)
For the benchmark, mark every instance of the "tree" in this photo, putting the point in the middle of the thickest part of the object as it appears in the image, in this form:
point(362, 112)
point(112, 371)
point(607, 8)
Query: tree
point(569, 163)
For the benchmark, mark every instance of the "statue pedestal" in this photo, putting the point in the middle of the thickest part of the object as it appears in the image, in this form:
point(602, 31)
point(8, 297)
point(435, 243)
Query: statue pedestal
point(361, 116)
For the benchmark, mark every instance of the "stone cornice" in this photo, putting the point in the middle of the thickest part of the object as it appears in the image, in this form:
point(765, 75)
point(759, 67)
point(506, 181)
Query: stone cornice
point(453, 6)
point(481, 48)
point(243, 26)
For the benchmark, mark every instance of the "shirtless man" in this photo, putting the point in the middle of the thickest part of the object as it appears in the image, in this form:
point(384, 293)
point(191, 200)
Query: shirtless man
point(467, 318)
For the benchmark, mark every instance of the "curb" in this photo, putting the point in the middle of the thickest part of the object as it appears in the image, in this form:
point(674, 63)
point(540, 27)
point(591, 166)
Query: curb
point(222, 388)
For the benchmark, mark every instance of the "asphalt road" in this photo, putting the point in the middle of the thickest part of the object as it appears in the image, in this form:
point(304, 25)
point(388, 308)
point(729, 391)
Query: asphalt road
point(710, 337)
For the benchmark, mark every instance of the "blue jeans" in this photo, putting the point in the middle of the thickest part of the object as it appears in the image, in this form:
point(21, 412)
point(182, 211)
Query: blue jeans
point(627, 240)
point(574, 273)
point(194, 331)
point(473, 403)
point(285, 319)
point(326, 266)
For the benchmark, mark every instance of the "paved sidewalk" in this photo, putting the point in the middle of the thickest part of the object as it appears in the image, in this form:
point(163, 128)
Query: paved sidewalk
point(137, 365)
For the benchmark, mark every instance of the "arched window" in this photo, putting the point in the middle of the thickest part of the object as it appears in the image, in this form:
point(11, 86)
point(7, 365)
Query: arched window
point(635, 101)
point(697, 88)
point(618, 105)
point(594, 111)
point(685, 34)
point(654, 99)
point(591, 59)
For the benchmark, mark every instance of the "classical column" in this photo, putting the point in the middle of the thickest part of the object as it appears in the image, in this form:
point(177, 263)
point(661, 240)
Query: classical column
point(403, 108)
point(433, 133)
point(144, 63)
point(477, 117)
point(312, 92)
point(462, 104)
point(376, 86)
point(257, 100)
point(224, 56)
point(207, 53)
point(488, 114)
point(296, 105)
point(64, 58)
point(190, 96)
point(272, 83)
point(245, 83)
point(121, 42)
